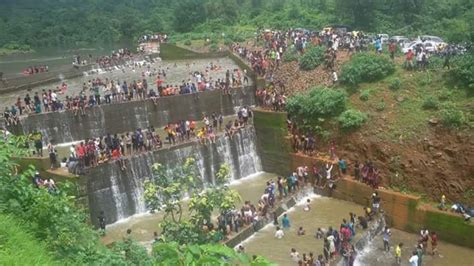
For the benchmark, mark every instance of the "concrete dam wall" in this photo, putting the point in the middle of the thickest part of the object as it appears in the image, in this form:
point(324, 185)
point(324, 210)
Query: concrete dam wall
point(62, 127)
point(120, 193)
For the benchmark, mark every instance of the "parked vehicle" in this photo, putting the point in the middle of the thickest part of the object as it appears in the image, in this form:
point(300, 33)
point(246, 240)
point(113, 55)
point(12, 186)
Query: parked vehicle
point(429, 46)
point(383, 37)
point(401, 40)
point(431, 38)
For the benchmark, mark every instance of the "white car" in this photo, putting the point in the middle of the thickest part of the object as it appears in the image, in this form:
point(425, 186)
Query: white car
point(434, 39)
point(402, 40)
point(383, 37)
point(429, 46)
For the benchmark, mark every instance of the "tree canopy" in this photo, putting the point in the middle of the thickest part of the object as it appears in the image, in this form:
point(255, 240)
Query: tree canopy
point(88, 22)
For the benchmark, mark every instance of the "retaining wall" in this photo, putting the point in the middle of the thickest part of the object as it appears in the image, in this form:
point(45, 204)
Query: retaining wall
point(402, 211)
point(272, 145)
point(26, 82)
point(63, 127)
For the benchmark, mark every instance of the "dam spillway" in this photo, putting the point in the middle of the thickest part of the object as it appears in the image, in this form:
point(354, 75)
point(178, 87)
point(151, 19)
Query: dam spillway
point(120, 193)
point(64, 127)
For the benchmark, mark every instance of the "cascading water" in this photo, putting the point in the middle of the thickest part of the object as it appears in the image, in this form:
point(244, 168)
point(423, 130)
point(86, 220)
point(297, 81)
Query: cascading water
point(120, 193)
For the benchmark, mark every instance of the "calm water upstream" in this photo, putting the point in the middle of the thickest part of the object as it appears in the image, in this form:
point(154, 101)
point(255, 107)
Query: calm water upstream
point(176, 72)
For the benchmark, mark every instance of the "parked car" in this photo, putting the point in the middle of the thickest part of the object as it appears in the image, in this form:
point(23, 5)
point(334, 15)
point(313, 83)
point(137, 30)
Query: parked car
point(383, 37)
point(431, 38)
point(401, 40)
point(429, 46)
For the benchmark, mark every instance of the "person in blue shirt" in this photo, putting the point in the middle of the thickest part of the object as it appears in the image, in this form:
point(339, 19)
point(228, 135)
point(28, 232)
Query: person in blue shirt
point(342, 166)
point(285, 221)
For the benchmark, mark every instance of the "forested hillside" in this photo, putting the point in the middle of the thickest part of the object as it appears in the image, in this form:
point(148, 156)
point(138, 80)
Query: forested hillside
point(78, 23)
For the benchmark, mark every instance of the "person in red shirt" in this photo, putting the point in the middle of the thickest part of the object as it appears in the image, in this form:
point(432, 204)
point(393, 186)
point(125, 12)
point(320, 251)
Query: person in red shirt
point(81, 151)
point(392, 48)
point(434, 243)
point(409, 59)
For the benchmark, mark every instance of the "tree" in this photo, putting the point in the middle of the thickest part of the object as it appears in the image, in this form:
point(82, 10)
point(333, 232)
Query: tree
point(165, 190)
point(52, 216)
point(172, 253)
point(188, 14)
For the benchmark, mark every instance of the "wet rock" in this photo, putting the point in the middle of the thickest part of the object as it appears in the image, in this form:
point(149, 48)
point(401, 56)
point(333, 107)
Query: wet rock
point(433, 121)
point(400, 98)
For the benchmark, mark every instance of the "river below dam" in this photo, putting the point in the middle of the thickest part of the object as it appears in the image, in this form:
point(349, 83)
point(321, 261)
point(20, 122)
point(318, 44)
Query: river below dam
point(325, 212)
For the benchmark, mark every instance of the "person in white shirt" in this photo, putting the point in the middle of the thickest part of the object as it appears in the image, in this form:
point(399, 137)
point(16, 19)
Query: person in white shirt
point(307, 206)
point(328, 171)
point(295, 256)
point(279, 234)
point(413, 259)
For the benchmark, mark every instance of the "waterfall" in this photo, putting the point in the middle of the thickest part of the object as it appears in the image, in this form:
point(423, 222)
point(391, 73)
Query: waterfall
point(120, 193)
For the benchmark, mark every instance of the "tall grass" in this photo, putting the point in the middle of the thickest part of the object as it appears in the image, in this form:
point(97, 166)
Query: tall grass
point(19, 247)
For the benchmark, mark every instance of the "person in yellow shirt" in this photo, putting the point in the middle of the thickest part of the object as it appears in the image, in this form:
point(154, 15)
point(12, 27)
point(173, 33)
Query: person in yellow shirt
point(398, 253)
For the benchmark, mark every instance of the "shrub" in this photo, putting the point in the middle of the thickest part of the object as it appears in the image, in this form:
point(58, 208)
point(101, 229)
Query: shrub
point(312, 58)
point(290, 56)
point(451, 116)
point(395, 84)
point(187, 42)
point(365, 67)
point(364, 95)
point(430, 102)
point(352, 119)
point(462, 72)
point(213, 47)
point(445, 94)
point(316, 104)
point(380, 106)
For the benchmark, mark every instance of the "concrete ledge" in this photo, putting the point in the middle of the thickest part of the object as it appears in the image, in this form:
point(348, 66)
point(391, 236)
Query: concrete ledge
point(251, 229)
point(63, 127)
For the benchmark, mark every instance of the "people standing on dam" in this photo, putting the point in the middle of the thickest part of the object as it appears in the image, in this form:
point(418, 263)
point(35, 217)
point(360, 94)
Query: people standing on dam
point(99, 91)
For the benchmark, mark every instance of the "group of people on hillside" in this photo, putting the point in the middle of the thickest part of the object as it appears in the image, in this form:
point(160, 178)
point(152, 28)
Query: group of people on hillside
point(48, 183)
point(271, 98)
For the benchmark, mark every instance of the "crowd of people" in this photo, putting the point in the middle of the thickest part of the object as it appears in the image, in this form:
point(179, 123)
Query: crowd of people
point(106, 91)
point(47, 183)
point(115, 147)
point(31, 70)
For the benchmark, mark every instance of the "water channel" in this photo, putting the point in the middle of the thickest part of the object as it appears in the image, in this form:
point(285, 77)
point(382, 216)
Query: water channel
point(177, 71)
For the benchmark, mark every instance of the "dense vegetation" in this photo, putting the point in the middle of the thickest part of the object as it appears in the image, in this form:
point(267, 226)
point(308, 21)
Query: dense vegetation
point(312, 58)
point(88, 22)
point(44, 227)
point(366, 67)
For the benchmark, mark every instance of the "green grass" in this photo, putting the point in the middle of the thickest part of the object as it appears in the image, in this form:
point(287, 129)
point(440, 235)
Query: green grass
point(403, 116)
point(19, 247)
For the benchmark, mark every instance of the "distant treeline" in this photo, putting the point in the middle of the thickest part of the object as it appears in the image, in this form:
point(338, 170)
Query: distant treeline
point(79, 23)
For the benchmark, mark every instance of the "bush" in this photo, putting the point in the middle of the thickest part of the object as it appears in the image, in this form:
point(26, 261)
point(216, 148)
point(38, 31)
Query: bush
point(290, 56)
point(187, 42)
point(312, 58)
point(395, 84)
point(452, 117)
point(430, 102)
point(364, 95)
point(316, 104)
point(352, 119)
point(462, 72)
point(213, 47)
point(365, 67)
point(445, 94)
point(380, 106)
